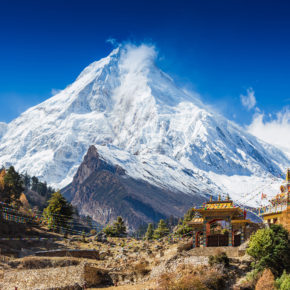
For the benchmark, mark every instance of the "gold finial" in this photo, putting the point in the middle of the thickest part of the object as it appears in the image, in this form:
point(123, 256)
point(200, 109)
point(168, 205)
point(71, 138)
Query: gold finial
point(210, 199)
point(219, 197)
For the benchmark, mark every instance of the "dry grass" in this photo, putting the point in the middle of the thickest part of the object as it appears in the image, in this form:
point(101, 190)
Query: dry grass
point(141, 268)
point(267, 281)
point(79, 276)
point(44, 278)
point(188, 277)
point(184, 247)
point(41, 263)
point(149, 285)
point(250, 280)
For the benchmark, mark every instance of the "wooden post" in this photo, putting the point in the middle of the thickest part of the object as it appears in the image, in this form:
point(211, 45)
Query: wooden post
point(230, 233)
point(204, 234)
point(242, 234)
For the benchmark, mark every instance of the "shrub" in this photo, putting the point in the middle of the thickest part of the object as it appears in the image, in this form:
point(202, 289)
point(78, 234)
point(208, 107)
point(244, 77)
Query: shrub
point(251, 279)
point(283, 282)
point(141, 267)
point(93, 232)
point(266, 282)
point(188, 277)
point(109, 231)
point(270, 249)
point(221, 259)
point(184, 247)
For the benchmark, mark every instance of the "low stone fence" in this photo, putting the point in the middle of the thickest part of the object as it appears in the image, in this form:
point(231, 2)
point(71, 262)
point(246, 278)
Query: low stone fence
point(87, 254)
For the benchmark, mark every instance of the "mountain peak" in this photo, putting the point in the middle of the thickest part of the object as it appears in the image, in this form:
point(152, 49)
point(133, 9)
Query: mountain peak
point(140, 120)
point(113, 57)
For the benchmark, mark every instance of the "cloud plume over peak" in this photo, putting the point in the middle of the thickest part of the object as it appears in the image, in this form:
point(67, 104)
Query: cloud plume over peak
point(249, 100)
point(136, 58)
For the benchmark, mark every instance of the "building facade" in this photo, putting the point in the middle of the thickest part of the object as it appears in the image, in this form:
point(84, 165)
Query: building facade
point(219, 223)
point(278, 210)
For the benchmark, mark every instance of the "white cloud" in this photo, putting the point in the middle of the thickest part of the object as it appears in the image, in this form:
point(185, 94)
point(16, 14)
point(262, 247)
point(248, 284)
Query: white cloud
point(276, 131)
point(112, 41)
point(138, 58)
point(249, 100)
point(54, 91)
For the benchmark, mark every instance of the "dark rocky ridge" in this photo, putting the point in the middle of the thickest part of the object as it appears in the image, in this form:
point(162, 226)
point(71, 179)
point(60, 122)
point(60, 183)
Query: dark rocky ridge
point(105, 191)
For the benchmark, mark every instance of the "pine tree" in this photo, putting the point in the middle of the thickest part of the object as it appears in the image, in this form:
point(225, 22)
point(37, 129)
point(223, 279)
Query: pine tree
point(161, 231)
point(26, 180)
point(58, 212)
point(12, 187)
point(34, 183)
point(118, 229)
point(150, 232)
point(183, 228)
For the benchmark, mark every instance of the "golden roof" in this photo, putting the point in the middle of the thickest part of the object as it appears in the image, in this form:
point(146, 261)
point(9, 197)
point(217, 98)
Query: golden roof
point(196, 221)
point(218, 205)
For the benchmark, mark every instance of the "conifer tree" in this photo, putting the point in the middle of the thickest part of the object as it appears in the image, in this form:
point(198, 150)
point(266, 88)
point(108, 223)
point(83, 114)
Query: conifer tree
point(118, 229)
point(150, 232)
point(183, 228)
point(161, 231)
point(58, 212)
point(12, 187)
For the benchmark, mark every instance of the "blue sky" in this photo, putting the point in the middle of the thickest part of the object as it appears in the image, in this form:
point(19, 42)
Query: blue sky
point(220, 49)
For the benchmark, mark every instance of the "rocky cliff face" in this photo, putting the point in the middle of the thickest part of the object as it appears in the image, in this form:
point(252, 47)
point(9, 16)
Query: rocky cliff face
point(105, 191)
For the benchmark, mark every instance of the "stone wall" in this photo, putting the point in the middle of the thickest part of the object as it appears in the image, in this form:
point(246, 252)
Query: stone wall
point(87, 254)
point(72, 277)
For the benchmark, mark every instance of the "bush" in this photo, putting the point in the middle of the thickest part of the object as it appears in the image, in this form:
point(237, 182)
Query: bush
point(184, 247)
point(283, 282)
point(251, 279)
point(141, 268)
point(270, 249)
point(188, 277)
point(220, 259)
point(93, 232)
point(266, 282)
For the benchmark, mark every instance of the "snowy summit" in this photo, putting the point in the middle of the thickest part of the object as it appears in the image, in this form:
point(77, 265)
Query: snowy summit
point(139, 119)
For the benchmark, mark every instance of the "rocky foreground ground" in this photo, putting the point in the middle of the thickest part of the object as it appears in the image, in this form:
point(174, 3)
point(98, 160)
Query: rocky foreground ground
point(121, 263)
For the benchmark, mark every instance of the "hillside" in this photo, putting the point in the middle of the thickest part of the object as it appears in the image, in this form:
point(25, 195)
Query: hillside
point(104, 191)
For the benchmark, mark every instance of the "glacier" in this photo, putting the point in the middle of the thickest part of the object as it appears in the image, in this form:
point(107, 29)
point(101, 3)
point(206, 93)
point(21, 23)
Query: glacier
point(139, 119)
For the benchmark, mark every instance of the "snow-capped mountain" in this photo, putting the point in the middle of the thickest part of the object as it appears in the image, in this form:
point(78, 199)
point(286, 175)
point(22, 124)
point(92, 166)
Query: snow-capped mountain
point(139, 119)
